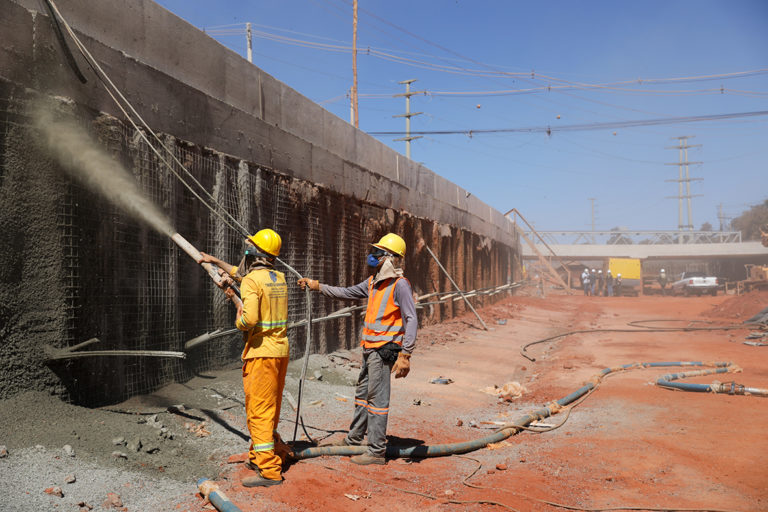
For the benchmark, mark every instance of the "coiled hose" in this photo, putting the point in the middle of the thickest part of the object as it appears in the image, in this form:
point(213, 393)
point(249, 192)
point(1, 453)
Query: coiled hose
point(521, 423)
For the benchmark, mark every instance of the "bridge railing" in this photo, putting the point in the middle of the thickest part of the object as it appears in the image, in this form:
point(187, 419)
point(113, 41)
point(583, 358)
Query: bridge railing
point(628, 237)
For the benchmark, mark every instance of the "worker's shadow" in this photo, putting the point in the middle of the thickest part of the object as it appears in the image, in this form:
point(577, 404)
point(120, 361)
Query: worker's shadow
point(215, 417)
point(418, 452)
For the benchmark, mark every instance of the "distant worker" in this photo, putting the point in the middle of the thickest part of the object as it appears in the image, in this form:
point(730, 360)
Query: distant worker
point(388, 339)
point(600, 283)
point(617, 285)
point(585, 281)
point(263, 319)
point(592, 282)
point(663, 281)
point(608, 284)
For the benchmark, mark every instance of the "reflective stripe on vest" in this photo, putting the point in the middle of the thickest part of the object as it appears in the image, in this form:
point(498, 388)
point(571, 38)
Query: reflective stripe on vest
point(383, 320)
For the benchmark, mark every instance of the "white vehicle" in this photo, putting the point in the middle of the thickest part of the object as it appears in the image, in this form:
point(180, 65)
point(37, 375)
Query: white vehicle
point(695, 282)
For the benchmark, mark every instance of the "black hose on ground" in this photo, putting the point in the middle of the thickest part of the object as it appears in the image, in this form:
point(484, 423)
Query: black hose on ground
point(524, 348)
point(440, 450)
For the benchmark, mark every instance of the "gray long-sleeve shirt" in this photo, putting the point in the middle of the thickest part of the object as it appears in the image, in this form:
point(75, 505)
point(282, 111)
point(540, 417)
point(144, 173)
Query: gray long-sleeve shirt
point(402, 296)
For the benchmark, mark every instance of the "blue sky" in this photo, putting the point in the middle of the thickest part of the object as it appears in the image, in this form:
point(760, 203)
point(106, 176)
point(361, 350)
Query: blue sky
point(473, 47)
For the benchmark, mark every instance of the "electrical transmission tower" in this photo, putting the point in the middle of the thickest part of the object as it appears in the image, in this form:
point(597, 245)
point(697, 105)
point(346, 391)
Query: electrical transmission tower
point(683, 181)
point(725, 220)
point(408, 115)
point(592, 207)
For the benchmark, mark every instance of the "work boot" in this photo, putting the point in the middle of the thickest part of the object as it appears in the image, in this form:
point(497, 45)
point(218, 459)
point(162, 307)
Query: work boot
point(367, 458)
point(259, 481)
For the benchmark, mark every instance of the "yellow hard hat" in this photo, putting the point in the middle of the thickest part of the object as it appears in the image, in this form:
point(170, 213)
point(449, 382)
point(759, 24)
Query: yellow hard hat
point(267, 241)
point(392, 243)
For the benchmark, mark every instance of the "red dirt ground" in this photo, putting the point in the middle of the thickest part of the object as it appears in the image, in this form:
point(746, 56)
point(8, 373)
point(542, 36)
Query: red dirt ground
point(629, 444)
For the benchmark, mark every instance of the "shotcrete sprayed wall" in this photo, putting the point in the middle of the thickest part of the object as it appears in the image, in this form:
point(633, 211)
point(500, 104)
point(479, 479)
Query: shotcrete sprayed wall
point(75, 267)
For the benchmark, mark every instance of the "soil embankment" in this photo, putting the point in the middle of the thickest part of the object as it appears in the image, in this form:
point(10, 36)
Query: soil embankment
point(629, 444)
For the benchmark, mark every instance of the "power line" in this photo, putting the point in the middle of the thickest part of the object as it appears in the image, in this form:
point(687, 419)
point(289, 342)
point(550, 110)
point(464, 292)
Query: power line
point(584, 127)
point(614, 86)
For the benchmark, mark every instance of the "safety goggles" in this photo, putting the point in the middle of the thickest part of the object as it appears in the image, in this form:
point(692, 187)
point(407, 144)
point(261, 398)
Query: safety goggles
point(378, 253)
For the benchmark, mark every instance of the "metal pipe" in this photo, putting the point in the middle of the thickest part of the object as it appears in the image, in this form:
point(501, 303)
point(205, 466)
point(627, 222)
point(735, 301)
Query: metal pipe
point(138, 353)
point(218, 499)
point(84, 344)
point(455, 285)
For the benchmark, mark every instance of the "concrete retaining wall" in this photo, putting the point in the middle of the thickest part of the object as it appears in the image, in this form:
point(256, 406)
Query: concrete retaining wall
point(74, 267)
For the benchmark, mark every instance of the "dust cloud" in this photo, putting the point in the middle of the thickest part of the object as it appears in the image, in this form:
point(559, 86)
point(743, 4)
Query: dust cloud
point(73, 148)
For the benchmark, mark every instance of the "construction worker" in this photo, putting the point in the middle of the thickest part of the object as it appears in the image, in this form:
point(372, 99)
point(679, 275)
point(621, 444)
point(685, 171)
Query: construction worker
point(592, 282)
point(263, 318)
point(388, 339)
point(617, 285)
point(600, 282)
point(585, 281)
point(608, 283)
point(663, 281)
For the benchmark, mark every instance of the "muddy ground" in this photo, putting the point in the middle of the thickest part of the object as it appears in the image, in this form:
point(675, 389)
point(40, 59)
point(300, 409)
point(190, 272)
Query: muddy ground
point(629, 444)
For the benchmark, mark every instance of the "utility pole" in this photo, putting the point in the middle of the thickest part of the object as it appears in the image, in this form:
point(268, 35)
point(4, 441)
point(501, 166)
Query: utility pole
point(351, 108)
point(683, 163)
point(408, 115)
point(250, 43)
point(721, 216)
point(355, 115)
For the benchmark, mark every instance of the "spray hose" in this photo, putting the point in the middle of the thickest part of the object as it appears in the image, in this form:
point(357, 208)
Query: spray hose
point(521, 423)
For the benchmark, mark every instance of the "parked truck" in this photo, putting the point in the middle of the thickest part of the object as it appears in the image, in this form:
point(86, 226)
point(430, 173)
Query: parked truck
point(695, 282)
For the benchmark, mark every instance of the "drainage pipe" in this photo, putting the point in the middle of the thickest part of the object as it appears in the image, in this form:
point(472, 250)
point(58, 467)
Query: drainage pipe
point(423, 451)
point(218, 499)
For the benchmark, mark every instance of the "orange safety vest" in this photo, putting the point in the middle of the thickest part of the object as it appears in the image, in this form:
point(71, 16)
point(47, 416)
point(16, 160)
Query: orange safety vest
point(383, 321)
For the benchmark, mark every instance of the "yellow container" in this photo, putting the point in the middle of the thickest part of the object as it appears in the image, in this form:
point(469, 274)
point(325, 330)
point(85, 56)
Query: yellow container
point(629, 268)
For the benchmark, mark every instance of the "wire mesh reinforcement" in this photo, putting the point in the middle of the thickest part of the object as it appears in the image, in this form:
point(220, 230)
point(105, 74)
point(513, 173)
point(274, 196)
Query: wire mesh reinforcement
point(120, 281)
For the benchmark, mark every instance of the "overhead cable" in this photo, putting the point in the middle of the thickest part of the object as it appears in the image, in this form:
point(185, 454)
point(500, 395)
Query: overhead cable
point(583, 127)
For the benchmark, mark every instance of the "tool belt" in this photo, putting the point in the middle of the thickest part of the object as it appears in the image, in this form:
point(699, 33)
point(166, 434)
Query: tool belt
point(389, 352)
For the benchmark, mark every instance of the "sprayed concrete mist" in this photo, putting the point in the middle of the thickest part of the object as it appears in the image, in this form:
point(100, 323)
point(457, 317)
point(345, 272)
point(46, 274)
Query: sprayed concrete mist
point(73, 148)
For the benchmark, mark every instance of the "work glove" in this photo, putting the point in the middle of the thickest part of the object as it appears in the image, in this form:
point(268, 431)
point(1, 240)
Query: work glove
point(282, 450)
point(402, 366)
point(226, 282)
point(313, 284)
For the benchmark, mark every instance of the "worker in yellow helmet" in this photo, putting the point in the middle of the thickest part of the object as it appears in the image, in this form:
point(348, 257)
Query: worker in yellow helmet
point(263, 319)
point(388, 339)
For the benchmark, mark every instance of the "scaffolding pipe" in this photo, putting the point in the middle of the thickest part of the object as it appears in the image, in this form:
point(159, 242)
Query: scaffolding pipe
point(440, 450)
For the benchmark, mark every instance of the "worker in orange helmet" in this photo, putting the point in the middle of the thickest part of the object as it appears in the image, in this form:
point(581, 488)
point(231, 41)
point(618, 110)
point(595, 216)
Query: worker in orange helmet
point(263, 319)
point(388, 339)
